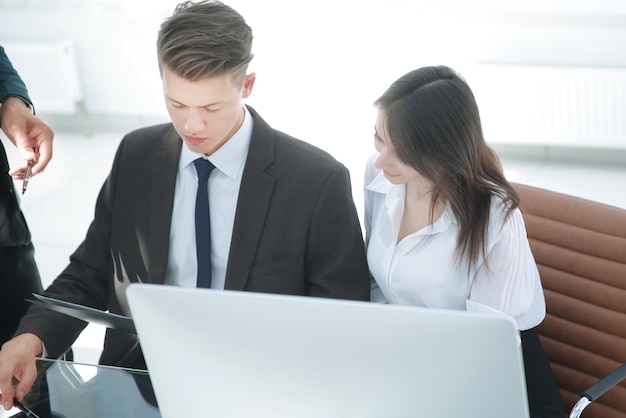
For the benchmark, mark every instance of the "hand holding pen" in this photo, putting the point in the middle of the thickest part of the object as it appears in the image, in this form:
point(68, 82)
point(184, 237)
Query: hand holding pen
point(30, 135)
point(29, 168)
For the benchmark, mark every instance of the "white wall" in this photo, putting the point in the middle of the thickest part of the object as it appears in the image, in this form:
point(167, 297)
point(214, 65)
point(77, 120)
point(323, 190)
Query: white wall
point(327, 60)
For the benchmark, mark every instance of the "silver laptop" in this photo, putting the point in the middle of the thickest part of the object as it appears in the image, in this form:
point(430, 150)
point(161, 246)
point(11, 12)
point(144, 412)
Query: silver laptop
point(239, 354)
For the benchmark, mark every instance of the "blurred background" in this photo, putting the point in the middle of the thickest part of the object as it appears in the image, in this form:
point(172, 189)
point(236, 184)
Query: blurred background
point(549, 77)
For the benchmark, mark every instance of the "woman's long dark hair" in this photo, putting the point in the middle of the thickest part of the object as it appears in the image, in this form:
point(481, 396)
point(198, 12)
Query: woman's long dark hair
point(432, 120)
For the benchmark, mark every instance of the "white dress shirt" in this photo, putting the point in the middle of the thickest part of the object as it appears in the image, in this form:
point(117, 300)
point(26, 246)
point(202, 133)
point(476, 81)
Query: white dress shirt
point(224, 182)
point(421, 269)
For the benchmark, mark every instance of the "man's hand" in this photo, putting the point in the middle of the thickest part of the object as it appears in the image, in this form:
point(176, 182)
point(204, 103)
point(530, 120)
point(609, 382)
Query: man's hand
point(29, 134)
point(18, 359)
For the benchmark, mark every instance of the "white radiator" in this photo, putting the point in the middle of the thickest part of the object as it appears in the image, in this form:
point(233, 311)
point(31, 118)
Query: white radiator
point(570, 106)
point(50, 73)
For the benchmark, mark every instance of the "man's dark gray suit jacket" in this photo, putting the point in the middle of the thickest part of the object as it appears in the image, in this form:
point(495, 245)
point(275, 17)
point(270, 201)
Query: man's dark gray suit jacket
point(296, 232)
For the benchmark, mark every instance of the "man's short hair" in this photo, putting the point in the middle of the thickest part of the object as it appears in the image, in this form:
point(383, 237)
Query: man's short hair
point(205, 39)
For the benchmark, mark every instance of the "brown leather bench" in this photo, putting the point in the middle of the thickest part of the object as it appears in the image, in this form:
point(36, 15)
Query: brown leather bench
point(580, 248)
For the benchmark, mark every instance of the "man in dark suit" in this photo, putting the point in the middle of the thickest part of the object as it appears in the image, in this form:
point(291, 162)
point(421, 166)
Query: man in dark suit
point(282, 215)
point(19, 276)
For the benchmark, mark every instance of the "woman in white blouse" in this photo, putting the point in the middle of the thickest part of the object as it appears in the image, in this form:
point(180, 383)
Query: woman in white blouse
point(443, 225)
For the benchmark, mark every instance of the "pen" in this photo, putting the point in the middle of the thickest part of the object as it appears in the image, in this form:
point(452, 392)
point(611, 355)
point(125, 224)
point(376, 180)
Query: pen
point(27, 176)
point(25, 410)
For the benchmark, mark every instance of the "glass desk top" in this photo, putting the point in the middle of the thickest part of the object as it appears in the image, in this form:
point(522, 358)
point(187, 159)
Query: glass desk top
point(74, 390)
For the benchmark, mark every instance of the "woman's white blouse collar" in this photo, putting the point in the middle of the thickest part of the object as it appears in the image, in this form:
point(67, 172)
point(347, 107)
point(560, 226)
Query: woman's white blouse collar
point(394, 195)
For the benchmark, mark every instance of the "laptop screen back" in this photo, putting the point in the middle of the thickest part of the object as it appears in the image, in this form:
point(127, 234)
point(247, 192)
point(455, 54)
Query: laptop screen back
point(241, 354)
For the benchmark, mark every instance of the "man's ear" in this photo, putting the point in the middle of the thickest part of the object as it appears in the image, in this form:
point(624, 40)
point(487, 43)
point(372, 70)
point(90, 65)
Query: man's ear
point(248, 84)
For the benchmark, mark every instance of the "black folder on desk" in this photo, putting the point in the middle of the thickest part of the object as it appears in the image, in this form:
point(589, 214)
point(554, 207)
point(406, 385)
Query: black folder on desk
point(86, 313)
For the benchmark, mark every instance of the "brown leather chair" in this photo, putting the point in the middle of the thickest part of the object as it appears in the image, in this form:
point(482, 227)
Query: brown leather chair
point(580, 248)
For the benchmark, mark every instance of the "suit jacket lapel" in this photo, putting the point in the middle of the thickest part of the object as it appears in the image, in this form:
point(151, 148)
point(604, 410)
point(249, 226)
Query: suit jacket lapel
point(161, 203)
point(254, 197)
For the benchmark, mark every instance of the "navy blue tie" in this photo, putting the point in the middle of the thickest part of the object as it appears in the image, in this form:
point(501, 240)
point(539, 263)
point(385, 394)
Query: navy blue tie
point(203, 223)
